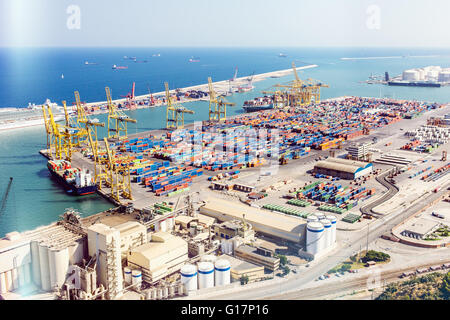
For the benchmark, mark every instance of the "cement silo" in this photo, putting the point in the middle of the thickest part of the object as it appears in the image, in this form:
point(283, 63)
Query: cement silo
point(35, 263)
point(189, 277)
point(327, 233)
point(333, 221)
point(127, 275)
point(59, 265)
point(222, 270)
point(3, 283)
point(44, 267)
point(314, 237)
point(312, 218)
point(205, 275)
point(136, 278)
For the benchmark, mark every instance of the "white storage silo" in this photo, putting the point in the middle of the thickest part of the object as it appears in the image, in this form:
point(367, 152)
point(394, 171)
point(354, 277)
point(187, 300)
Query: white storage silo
point(15, 278)
point(410, 75)
point(35, 263)
point(312, 218)
point(314, 237)
point(163, 226)
point(205, 275)
point(333, 221)
point(127, 275)
point(58, 265)
point(136, 277)
point(327, 233)
point(3, 283)
point(189, 277)
point(44, 267)
point(222, 272)
point(9, 282)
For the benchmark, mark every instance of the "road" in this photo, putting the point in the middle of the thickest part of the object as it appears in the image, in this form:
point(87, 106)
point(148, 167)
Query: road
point(392, 191)
point(348, 247)
point(326, 289)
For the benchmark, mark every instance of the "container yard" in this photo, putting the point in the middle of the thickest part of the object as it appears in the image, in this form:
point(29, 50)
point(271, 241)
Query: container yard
point(251, 187)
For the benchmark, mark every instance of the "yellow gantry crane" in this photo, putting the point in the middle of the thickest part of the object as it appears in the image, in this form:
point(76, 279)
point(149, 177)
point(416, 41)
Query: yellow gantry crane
point(101, 174)
point(79, 134)
point(217, 105)
point(117, 119)
point(90, 125)
point(301, 93)
point(59, 138)
point(174, 113)
point(120, 177)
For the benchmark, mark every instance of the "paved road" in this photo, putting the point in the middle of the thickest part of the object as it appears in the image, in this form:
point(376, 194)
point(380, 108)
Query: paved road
point(349, 247)
point(392, 191)
point(327, 289)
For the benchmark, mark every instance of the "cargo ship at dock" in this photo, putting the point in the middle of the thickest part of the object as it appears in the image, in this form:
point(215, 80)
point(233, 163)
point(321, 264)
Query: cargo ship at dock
point(75, 181)
point(259, 104)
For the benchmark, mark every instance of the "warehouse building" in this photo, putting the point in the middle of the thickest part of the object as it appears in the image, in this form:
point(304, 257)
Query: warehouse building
point(241, 268)
point(164, 255)
point(269, 223)
point(343, 168)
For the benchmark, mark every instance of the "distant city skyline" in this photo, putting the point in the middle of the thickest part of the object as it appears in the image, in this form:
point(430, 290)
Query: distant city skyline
point(231, 23)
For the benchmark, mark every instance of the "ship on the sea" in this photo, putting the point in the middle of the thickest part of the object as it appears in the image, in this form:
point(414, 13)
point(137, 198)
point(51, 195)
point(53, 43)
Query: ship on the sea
point(259, 104)
point(14, 118)
point(116, 67)
point(75, 181)
point(194, 59)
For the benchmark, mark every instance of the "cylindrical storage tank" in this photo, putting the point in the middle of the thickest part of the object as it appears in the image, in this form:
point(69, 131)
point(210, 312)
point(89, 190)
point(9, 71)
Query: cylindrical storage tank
point(208, 258)
point(127, 275)
point(222, 272)
point(159, 294)
point(44, 267)
point(154, 294)
point(15, 278)
point(319, 215)
point(199, 229)
point(312, 218)
point(171, 291)
point(165, 293)
point(205, 275)
point(35, 263)
point(169, 224)
point(333, 221)
point(189, 277)
point(136, 278)
point(9, 282)
point(76, 252)
point(180, 289)
point(193, 228)
point(148, 294)
point(3, 283)
point(314, 235)
point(59, 265)
point(21, 274)
point(163, 226)
point(328, 236)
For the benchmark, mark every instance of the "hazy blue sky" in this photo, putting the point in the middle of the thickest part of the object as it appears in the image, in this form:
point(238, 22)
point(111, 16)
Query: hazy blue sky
point(226, 23)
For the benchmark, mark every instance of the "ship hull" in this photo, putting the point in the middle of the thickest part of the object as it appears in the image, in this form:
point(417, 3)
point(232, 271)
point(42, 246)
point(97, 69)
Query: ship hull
point(72, 189)
point(258, 108)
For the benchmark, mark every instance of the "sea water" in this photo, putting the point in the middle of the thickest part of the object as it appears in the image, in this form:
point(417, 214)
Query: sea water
point(32, 75)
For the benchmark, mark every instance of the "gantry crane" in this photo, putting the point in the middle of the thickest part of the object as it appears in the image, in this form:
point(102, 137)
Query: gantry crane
point(117, 119)
point(101, 173)
point(90, 125)
point(120, 177)
point(174, 113)
point(301, 93)
point(217, 105)
point(60, 137)
point(79, 133)
point(48, 130)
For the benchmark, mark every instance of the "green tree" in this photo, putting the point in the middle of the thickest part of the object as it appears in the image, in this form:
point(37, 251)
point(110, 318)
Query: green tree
point(445, 288)
point(244, 279)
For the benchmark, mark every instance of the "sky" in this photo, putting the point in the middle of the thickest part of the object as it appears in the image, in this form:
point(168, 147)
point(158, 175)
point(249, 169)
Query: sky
point(224, 23)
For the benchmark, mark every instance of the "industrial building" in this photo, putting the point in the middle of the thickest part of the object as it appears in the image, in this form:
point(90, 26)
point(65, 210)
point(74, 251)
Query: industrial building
point(162, 256)
point(343, 168)
point(241, 268)
point(257, 256)
point(269, 223)
point(359, 151)
point(234, 228)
